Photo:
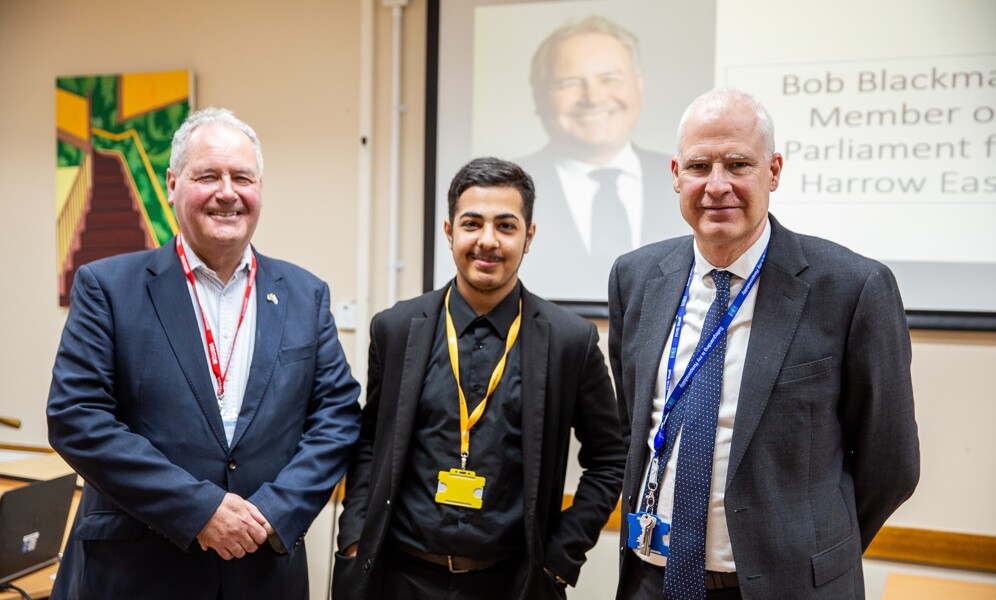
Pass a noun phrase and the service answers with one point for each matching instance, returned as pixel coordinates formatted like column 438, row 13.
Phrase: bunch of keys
column 646, row 533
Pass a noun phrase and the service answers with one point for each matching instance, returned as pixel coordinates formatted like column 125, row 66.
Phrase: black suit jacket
column 565, row 386
column 824, row 443
column 558, row 243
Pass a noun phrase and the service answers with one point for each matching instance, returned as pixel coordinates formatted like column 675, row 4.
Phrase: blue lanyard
column 656, row 472
column 696, row 363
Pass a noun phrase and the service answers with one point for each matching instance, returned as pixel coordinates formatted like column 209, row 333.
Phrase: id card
column 655, row 534
column 460, row 488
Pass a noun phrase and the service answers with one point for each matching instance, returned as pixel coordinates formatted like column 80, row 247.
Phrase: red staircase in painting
column 113, row 223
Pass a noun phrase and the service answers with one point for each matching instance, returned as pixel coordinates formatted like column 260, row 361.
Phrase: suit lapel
column 781, row 296
column 171, row 301
column 535, row 341
column 661, row 298
column 418, row 349
column 271, row 318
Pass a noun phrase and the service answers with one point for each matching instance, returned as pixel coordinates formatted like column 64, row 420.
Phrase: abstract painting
column 113, row 135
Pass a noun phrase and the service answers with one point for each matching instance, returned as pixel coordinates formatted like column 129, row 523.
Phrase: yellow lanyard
column 451, row 340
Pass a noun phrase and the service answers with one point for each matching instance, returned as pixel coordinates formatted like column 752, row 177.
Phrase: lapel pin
column 271, row 297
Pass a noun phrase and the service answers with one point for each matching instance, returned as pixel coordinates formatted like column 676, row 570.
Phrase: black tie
column 610, row 233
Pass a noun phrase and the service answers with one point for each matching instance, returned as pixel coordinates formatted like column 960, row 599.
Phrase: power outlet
column 345, row 316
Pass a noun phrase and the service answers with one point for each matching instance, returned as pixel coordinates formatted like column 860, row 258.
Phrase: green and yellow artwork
column 113, row 135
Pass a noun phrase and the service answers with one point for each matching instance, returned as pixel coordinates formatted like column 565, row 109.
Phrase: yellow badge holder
column 458, row 487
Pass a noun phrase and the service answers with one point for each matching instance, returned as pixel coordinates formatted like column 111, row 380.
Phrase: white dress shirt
column 719, row 552
column 222, row 304
column 580, row 189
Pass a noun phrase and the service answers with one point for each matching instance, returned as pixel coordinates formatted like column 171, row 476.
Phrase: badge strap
column 655, row 474
column 467, row 422
column 212, row 348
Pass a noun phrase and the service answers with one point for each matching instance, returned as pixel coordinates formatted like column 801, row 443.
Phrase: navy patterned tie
column 610, row 232
column 684, row 577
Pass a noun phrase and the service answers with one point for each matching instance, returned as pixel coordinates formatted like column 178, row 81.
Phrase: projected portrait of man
column 598, row 195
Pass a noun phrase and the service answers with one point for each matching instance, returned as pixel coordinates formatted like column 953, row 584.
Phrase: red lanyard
column 208, row 336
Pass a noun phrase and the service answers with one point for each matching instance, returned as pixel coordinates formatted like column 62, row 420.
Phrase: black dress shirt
column 495, row 530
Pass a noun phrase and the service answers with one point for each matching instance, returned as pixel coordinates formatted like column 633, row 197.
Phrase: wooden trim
column 615, row 519
column 906, row 544
column 25, row 448
column 939, row 548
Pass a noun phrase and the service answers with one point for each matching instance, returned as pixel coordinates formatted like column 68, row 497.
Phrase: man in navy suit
column 598, row 194
column 201, row 392
column 777, row 464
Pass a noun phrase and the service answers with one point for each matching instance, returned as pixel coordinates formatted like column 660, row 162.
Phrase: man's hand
column 271, row 534
column 258, row 516
column 234, row 529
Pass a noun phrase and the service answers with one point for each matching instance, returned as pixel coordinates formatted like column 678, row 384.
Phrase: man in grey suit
column 798, row 425
column 598, row 194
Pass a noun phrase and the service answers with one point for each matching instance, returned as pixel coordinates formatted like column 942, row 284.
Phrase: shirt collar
column 743, row 265
column 500, row 318
column 626, row 161
column 196, row 264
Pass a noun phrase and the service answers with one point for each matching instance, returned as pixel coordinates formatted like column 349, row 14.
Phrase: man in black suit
column 472, row 393
column 795, row 439
column 598, row 194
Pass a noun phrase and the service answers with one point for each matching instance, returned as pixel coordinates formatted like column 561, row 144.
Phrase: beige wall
column 292, row 70
column 289, row 69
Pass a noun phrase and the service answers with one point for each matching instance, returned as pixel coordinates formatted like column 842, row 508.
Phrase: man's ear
column 448, row 231
column 776, row 170
column 170, row 185
column 529, row 237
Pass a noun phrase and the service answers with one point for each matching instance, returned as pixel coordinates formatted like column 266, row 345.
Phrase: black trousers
column 644, row 581
column 408, row 577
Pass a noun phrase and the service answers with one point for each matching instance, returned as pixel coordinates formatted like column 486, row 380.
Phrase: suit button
column 367, row 564
column 232, row 464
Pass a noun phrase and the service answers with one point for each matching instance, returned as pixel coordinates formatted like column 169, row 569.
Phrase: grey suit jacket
column 824, row 443
column 565, row 388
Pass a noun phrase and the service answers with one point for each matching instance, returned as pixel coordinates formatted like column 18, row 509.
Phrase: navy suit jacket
column 132, row 409
column 565, row 388
column 824, row 442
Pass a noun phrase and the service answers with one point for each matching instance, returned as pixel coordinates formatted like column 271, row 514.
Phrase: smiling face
column 724, row 178
column 592, row 101
column 217, row 195
column 488, row 238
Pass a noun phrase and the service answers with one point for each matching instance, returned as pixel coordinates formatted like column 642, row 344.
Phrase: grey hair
column 539, row 74
column 210, row 116
column 720, row 98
